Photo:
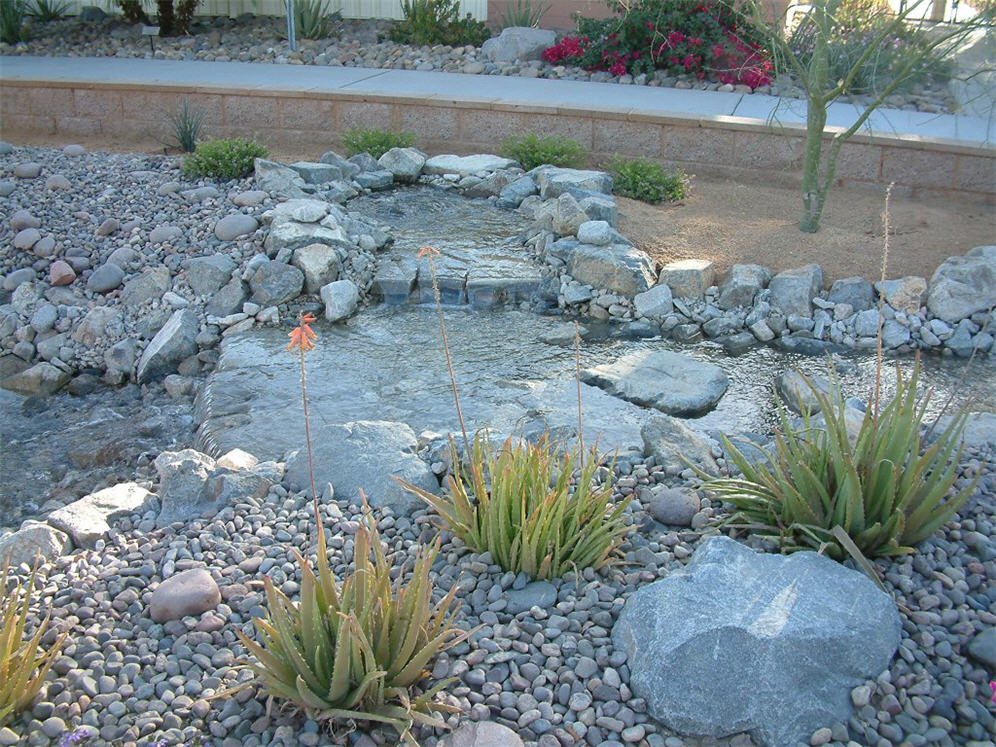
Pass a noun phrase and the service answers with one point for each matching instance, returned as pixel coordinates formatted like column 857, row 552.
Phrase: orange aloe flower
column 428, row 251
column 302, row 336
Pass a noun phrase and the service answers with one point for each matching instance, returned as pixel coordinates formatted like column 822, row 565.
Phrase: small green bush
column 24, row 662
column 428, row 22
column 223, row 159
column 532, row 150
column 374, row 141
column 646, row 180
column 356, row 650
column 876, row 492
column 12, row 14
column 518, row 505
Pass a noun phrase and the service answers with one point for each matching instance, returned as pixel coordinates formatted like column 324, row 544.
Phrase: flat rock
column 963, row 285
column 190, row 592
column 34, row 537
column 366, row 455
column 673, row 383
column 466, row 165
column 175, row 341
column 671, row 443
column 151, row 284
column 804, row 625
column 317, row 173
column 89, row 519
column 553, row 181
column 278, row 180
column 540, row 594
column 207, row 275
column 655, row 303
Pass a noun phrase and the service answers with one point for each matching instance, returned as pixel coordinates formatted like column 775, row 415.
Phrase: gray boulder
column 278, row 180
column 554, row 181
column 466, row 165
column 299, row 211
column 518, row 43
column 857, row 292
column 206, row 275
column 395, row 278
column 671, row 442
column 286, row 234
column 804, row 626
column 275, row 283
column 88, row 519
column 174, row 342
column 151, row 284
column 670, row 382
column 512, row 195
column 228, row 300
column 190, row 592
column 619, row 268
column 34, row 538
column 404, row 163
column 905, row 294
column 366, row 455
column 41, row 379
column 741, row 285
column 348, row 169
column 320, row 264
column 688, row 278
column 183, row 484
column 341, row 299
column 792, row 291
column 655, row 303
column 963, row 285
column 568, row 217
column 317, row 173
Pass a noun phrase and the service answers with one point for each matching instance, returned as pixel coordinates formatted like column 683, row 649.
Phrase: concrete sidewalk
column 565, row 96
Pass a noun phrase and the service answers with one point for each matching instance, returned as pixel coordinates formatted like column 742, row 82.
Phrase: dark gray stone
column 741, row 285
column 618, row 268
column 105, row 278
column 982, row 648
column 206, row 275
column 805, row 626
column 670, row 382
column 857, row 292
column 228, row 300
column 540, row 594
column 792, row 291
column 275, row 283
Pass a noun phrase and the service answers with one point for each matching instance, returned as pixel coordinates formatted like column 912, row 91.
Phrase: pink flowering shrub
column 705, row 38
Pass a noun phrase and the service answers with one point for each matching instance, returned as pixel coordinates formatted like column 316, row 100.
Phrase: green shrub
column 23, row 662
column 646, row 180
column 375, row 142
column 877, row 485
column 185, row 125
column 314, row 20
column 359, row 649
column 532, row 150
column 429, row 22
column 223, row 159
column 518, row 505
column 522, row 13
column 12, row 14
column 48, row 10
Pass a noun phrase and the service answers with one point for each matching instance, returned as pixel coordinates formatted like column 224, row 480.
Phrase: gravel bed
column 364, row 43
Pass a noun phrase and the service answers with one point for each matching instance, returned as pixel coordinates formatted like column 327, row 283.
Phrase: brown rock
column 187, row 593
column 60, row 273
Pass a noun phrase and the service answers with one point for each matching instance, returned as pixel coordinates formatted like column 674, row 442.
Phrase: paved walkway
column 492, row 89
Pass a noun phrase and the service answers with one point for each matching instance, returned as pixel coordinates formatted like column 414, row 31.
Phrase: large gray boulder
column 404, row 163
column 183, row 479
column 670, row 382
column 903, row 294
column 89, row 519
column 688, row 278
column 619, row 268
column 963, row 285
column 674, row 445
column 857, row 292
column 41, row 379
column 174, row 342
column 466, row 165
column 518, row 43
column 792, row 291
column 554, row 181
column 289, row 234
column 340, row 298
column 743, row 641
column 275, row 283
column 366, row 455
column 207, row 275
column 320, row 264
column 741, row 284
column 278, row 180
column 33, row 539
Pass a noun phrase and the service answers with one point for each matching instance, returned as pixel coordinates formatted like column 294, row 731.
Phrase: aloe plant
column 518, row 505
column 878, row 492
column 24, row 662
column 357, row 650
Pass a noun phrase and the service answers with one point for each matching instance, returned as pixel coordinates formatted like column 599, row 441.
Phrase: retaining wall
column 309, row 122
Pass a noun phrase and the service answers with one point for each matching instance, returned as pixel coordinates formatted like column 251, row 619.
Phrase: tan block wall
column 305, row 123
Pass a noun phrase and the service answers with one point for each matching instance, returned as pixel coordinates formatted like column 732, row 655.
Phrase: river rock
column 27, row 170
column 982, row 648
column 341, row 299
column 320, row 264
column 163, row 233
column 366, row 455
column 228, row 300
column 41, row 379
column 88, row 519
column 232, row 226
column 34, row 537
column 404, row 163
column 175, row 341
column 671, row 442
column 60, row 273
column 190, row 592
column 105, row 278
column 275, row 283
column 481, row 734
column 206, row 275
column 466, row 165
column 792, row 291
column 517, row 43
column 540, row 594
column 670, row 382
column 963, row 285
column 741, row 284
column 805, row 626
column 26, row 238
column 22, row 219
column 673, row 506
column 857, row 292
column 688, row 278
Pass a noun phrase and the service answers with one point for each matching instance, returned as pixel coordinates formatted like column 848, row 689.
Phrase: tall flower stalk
column 302, row 340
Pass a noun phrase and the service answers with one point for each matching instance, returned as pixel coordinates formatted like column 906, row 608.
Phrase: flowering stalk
column 577, row 365
column 429, row 253
column 302, row 339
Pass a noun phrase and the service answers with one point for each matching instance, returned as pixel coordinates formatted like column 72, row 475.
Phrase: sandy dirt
column 730, row 222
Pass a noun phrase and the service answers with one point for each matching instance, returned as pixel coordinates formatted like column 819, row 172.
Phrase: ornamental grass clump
column 517, row 503
column 876, row 493
column 24, row 662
